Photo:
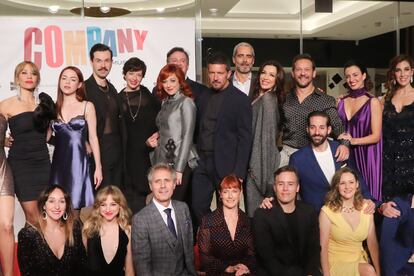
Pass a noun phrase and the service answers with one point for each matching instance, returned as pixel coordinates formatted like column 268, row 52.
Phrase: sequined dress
column 398, row 151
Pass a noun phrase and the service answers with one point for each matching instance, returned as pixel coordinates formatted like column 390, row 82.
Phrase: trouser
column 111, row 159
column 181, row 191
column 205, row 181
column 285, row 154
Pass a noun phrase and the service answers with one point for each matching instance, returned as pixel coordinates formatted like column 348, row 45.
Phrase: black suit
column 232, row 146
column 111, row 145
column 274, row 246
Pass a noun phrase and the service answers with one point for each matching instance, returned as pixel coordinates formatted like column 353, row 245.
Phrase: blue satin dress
column 70, row 165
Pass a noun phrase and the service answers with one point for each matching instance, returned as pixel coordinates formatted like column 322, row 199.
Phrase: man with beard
column 225, row 138
column 108, row 116
column 302, row 100
column 316, row 163
column 243, row 59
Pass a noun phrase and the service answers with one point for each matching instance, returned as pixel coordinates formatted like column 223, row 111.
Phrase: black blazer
column 233, row 134
column 273, row 242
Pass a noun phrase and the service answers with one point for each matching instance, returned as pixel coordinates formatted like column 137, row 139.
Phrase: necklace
column 133, row 116
column 347, row 209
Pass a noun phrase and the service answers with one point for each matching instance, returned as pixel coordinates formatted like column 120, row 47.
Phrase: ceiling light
column 160, row 9
column 53, row 9
column 105, row 9
column 213, row 10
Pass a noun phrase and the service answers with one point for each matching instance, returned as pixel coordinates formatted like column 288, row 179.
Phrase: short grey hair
column 161, row 166
column 242, row 44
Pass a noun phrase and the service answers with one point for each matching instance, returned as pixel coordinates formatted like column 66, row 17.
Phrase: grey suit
column 176, row 120
column 155, row 250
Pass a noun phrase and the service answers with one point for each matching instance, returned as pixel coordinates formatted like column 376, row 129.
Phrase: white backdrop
column 54, row 43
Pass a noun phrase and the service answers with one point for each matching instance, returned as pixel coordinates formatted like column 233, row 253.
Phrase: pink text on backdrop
column 54, row 47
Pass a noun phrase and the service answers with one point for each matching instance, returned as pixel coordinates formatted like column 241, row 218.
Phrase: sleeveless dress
column 6, row 176
column 97, row 264
column 368, row 158
column 70, row 165
column 398, row 152
column 345, row 250
column 28, row 157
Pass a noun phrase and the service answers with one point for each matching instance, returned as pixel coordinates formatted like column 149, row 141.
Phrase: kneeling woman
column 107, row 235
column 344, row 226
column 53, row 246
column 225, row 237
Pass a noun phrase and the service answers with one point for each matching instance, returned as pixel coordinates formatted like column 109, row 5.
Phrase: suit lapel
column 160, row 224
column 314, row 165
column 334, row 146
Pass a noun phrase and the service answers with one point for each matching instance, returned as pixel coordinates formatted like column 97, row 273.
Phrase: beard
column 317, row 142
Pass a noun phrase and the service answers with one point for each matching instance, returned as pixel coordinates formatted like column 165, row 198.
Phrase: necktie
column 170, row 222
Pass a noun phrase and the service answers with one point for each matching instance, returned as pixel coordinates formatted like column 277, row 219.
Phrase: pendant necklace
column 133, row 116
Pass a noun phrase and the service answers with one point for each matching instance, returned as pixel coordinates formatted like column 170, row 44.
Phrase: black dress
column 97, row 264
column 28, row 157
column 36, row 258
column 398, row 151
column 139, row 109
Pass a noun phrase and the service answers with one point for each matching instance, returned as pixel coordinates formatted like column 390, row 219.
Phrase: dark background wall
column 375, row 52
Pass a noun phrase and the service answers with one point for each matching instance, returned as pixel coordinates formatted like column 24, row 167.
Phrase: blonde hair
column 94, row 222
column 20, row 67
column 67, row 223
column 333, row 199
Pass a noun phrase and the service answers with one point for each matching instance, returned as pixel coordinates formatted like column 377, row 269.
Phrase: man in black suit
column 287, row 236
column 109, row 123
column 225, row 138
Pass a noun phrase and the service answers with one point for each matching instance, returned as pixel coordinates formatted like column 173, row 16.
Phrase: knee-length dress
column 28, row 157
column 70, row 164
column 345, row 250
column 368, row 158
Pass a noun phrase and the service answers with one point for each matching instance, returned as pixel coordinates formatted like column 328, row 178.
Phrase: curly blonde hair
column 94, row 222
column 333, row 199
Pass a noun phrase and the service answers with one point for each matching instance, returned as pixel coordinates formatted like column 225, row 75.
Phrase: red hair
column 80, row 92
column 166, row 71
column 229, row 182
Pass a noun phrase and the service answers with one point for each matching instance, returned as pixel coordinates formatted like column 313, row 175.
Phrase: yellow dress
column 345, row 251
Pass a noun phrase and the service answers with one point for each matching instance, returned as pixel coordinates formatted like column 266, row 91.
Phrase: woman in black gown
column 398, row 130
column 53, row 245
column 28, row 116
column 139, row 109
column 107, row 235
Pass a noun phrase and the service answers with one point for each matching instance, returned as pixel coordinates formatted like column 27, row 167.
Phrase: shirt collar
column 248, row 78
column 161, row 207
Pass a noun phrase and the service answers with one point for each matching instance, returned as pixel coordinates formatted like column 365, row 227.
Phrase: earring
column 394, row 82
column 44, row 215
column 65, row 216
column 18, row 90
column 411, row 80
column 36, row 95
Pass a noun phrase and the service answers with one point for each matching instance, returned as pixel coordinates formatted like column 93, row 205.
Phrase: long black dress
column 398, row 151
column 36, row 258
column 97, row 264
column 139, row 109
column 28, row 157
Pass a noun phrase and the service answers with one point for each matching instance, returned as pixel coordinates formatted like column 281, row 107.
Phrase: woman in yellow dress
column 344, row 226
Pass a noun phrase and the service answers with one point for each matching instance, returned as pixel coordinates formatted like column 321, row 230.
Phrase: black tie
column 170, row 222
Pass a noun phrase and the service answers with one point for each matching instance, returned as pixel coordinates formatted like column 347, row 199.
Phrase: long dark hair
column 367, row 82
column 80, row 92
column 279, row 88
column 391, row 84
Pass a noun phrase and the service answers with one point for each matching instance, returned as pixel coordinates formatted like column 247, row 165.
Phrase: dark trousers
column 181, row 191
column 111, row 159
column 205, row 182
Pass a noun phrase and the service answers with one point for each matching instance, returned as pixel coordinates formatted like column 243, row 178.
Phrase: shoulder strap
column 84, row 109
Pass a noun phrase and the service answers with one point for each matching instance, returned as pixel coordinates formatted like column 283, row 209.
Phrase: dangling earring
column 65, row 216
column 44, row 215
column 394, row 82
column 411, row 80
column 18, row 91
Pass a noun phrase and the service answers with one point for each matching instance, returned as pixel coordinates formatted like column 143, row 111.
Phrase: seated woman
column 344, row 226
column 397, row 239
column 53, row 246
column 224, row 237
column 107, row 235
